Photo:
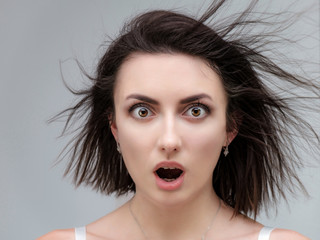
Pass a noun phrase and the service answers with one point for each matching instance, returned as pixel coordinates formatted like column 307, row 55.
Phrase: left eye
column 196, row 111
column 141, row 112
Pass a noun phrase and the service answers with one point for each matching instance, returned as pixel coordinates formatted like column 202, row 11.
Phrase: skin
column 155, row 121
column 170, row 132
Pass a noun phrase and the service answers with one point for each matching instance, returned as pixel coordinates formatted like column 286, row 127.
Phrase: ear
column 113, row 127
column 230, row 136
column 233, row 132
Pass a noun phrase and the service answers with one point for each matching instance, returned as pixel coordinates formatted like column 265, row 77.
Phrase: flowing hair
column 263, row 100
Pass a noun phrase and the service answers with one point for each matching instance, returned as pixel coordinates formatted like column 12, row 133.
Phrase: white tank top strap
column 80, row 233
column 265, row 233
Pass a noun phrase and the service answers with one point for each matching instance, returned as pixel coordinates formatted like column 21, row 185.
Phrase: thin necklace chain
column 203, row 236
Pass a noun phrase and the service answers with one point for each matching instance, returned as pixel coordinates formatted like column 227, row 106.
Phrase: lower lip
column 169, row 186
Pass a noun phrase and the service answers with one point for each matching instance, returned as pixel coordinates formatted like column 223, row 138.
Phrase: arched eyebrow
column 195, row 98
column 143, row 98
column 182, row 101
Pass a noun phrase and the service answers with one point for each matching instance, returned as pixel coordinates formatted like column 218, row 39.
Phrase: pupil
column 196, row 112
column 143, row 112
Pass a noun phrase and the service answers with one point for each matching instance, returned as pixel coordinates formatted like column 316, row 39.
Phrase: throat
column 173, row 223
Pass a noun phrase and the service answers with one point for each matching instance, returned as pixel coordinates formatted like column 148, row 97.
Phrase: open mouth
column 169, row 174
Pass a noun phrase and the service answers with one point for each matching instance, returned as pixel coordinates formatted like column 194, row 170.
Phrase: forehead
column 168, row 74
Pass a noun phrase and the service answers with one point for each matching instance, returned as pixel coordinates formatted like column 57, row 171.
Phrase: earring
column 118, row 147
column 226, row 150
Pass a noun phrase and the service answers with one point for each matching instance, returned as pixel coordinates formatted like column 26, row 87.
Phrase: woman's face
column 170, row 122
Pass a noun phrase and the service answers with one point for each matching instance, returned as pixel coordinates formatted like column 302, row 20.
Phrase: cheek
column 205, row 145
column 134, row 137
column 136, row 144
column 210, row 137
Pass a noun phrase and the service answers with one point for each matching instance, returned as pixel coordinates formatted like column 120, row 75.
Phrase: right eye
column 140, row 112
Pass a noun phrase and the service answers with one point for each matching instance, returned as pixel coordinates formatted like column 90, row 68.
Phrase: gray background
column 35, row 35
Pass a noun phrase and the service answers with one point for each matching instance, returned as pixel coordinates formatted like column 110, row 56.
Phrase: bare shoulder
column 107, row 227
column 281, row 234
column 114, row 225
column 61, row 234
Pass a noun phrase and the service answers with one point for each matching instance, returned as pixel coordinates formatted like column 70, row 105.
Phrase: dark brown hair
column 262, row 160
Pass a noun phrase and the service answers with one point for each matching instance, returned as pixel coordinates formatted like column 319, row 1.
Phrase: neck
column 186, row 220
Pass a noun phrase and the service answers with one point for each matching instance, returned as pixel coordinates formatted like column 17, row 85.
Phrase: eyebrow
column 194, row 98
column 182, row 101
column 143, row 98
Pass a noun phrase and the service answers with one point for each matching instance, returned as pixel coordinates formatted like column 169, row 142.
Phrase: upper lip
column 169, row 164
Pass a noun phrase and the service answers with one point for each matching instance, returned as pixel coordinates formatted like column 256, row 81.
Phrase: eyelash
column 136, row 105
column 190, row 106
column 198, row 104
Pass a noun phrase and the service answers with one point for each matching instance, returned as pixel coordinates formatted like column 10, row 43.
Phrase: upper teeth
column 169, row 168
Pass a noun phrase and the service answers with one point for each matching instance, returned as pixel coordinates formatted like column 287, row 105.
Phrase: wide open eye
column 143, row 112
column 140, row 111
column 197, row 111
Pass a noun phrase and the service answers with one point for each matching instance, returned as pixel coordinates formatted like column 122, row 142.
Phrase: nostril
column 172, row 149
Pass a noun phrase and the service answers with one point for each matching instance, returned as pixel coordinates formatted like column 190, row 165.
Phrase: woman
column 183, row 115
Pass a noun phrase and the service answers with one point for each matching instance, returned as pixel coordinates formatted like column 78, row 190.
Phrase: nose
column 169, row 140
